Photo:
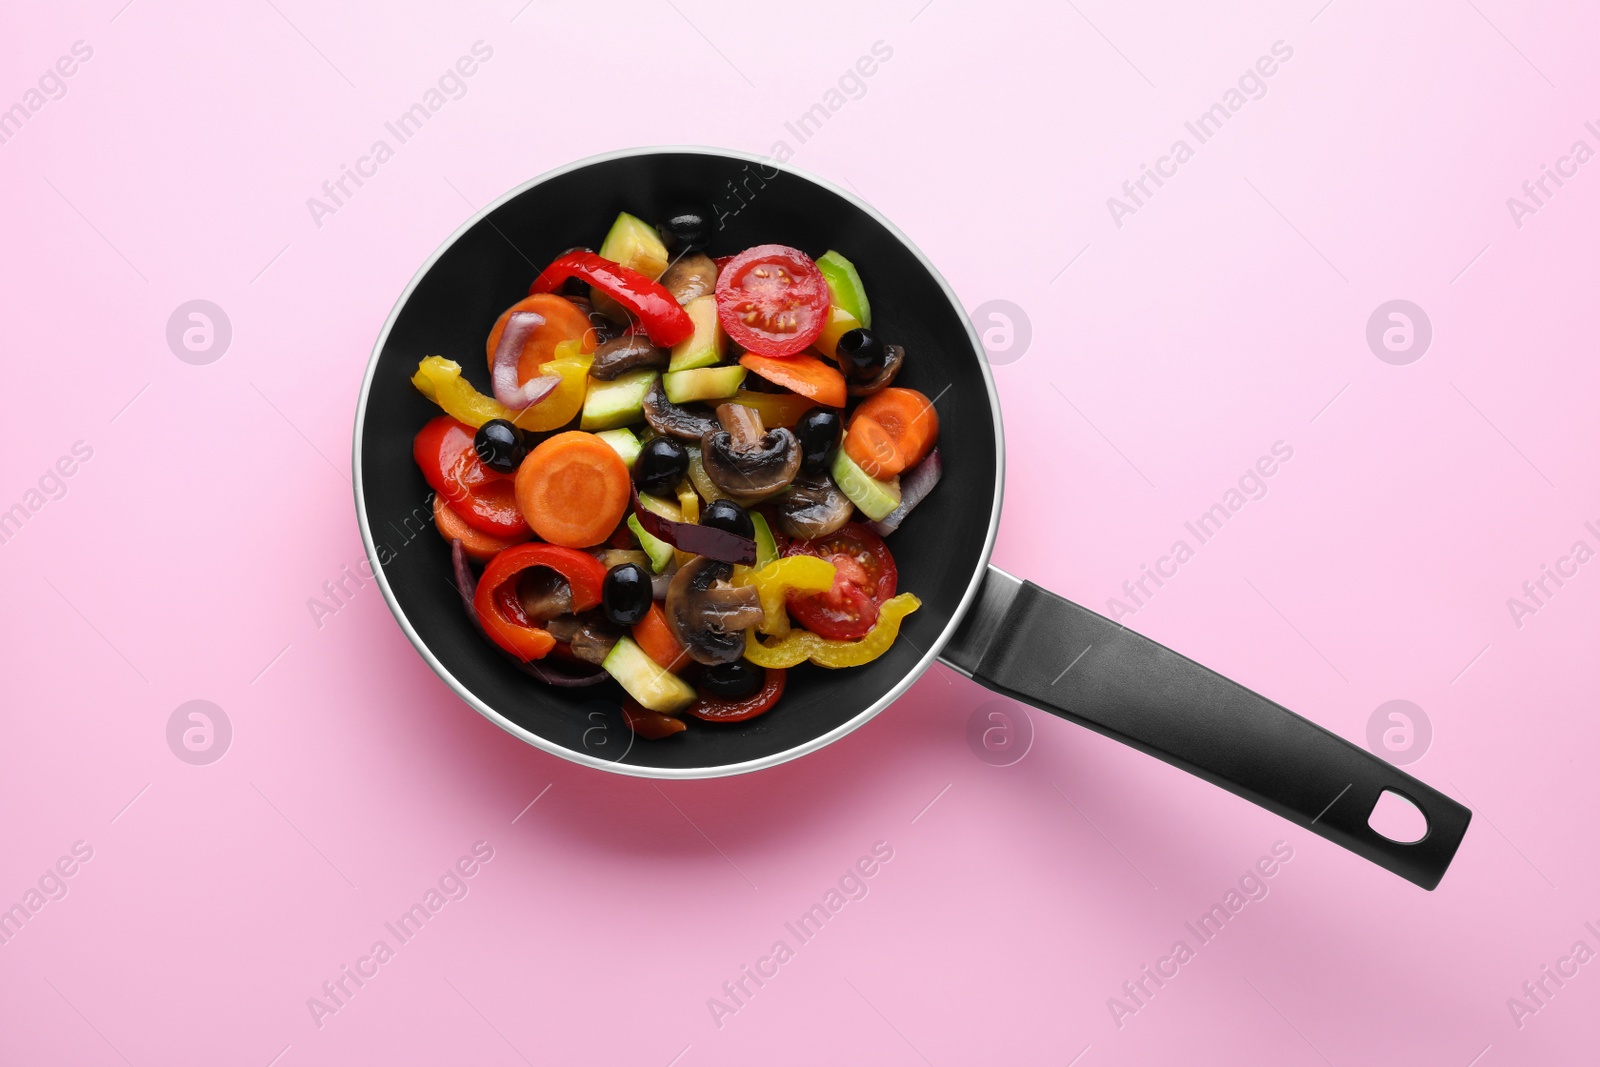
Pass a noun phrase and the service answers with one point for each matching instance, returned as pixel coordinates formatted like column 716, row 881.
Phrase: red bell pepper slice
column 485, row 499
column 664, row 321
column 499, row 610
column 651, row 725
column 713, row 710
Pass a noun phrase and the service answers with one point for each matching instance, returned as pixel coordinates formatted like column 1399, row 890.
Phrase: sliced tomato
column 865, row 577
column 713, row 710
column 772, row 300
column 485, row 499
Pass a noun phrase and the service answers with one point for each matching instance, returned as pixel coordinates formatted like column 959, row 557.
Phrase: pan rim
column 718, row 770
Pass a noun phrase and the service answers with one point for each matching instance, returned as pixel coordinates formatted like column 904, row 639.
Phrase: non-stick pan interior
column 490, row 265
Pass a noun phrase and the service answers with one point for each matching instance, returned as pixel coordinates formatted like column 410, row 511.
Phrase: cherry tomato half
column 713, row 710
column 772, row 300
column 485, row 499
column 866, row 578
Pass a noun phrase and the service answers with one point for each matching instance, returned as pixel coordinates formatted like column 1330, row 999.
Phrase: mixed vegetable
column 683, row 475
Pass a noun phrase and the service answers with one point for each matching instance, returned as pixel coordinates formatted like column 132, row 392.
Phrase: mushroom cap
column 707, row 615
column 813, row 507
column 894, row 359
column 689, row 422
column 743, row 461
column 690, row 276
column 629, row 352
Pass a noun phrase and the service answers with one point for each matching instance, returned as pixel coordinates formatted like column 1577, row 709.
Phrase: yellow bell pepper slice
column 840, row 322
column 776, row 409
column 688, row 501
column 563, row 405
column 802, row 574
column 440, row 380
column 802, row 645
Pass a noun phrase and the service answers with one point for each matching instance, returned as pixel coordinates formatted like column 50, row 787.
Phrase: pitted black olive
column 500, row 445
column 818, row 430
column 726, row 515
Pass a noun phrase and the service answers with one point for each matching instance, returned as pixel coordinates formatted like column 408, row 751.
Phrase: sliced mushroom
column 544, row 594
column 709, row 616
column 813, row 507
column 689, row 277
column 590, row 636
column 626, row 353
column 563, row 627
column 690, row 422
column 894, row 359
column 744, row 459
column 616, row 557
column 604, row 328
column 592, row 644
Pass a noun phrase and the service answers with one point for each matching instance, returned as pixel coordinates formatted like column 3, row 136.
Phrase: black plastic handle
column 1034, row 646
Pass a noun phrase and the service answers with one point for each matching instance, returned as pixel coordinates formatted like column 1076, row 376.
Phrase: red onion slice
column 519, row 327
column 467, row 586
column 660, row 583
column 915, row 485
column 561, row 679
column 691, row 537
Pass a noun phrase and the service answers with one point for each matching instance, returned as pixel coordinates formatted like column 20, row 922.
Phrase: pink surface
column 1227, row 312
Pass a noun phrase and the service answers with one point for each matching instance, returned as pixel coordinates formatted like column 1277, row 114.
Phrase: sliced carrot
column 891, row 431
column 478, row 545
column 873, row 449
column 658, row 641
column 573, row 489
column 562, row 322
column 806, row 375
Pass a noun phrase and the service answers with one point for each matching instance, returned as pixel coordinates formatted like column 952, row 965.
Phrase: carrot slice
column 874, row 450
column 573, row 489
column 562, row 322
column 658, row 641
column 478, row 545
column 891, row 431
column 806, row 375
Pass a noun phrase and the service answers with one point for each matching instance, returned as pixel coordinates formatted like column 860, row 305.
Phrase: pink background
column 1228, row 313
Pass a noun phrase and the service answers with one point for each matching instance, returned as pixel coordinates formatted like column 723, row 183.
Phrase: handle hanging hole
column 1398, row 818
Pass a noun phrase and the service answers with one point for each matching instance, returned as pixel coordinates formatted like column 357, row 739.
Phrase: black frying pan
column 1009, row 635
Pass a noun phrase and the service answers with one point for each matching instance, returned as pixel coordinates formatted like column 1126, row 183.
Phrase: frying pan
column 1007, row 634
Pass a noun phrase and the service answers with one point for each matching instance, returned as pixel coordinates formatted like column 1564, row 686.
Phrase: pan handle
column 1036, row 647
